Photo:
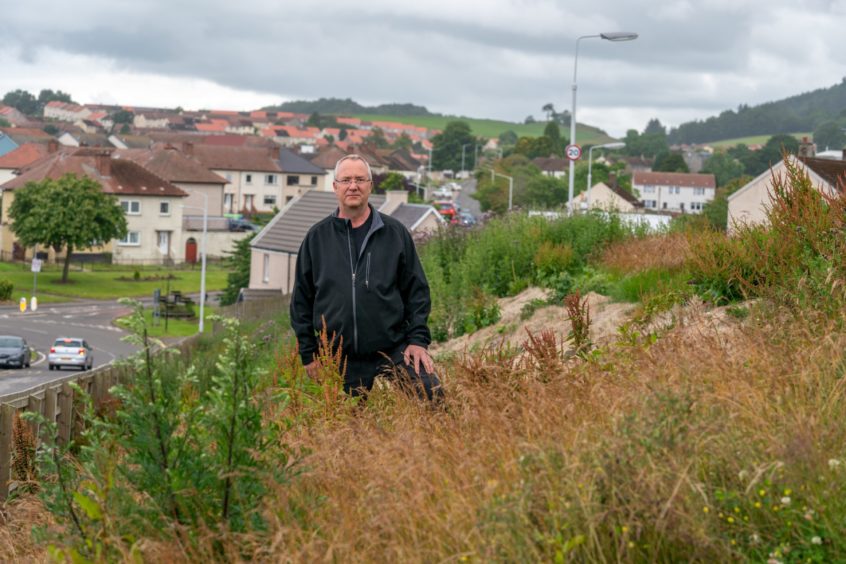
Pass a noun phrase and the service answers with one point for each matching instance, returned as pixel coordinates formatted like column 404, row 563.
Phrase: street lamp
column 510, row 186
column 610, row 36
column 615, row 145
column 462, row 155
column 205, row 209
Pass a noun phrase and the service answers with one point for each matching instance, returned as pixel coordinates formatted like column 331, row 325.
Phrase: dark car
column 242, row 225
column 467, row 219
column 14, row 351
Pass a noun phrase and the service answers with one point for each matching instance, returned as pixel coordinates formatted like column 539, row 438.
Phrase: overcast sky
column 500, row 59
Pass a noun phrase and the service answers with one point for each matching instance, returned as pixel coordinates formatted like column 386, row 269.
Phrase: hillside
column 347, row 106
column 804, row 112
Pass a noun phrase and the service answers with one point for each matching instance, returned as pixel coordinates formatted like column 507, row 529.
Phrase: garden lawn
column 108, row 284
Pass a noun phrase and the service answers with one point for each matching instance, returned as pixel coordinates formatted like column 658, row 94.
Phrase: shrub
column 551, row 259
column 6, row 289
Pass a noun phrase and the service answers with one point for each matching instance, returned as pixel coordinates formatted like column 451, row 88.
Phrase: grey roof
column 286, row 231
column 410, row 214
column 291, row 162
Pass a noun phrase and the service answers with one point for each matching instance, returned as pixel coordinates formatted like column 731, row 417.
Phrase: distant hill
column 798, row 113
column 336, row 106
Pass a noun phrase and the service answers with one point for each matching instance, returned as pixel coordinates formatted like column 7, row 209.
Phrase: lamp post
column 510, row 186
column 615, row 145
column 610, row 36
column 205, row 209
column 462, row 155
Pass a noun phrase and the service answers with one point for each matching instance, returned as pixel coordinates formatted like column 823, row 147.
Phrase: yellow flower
column 631, row 544
column 788, row 491
column 730, row 520
column 733, row 542
column 758, row 504
column 625, row 529
column 737, row 510
column 705, row 509
column 762, row 492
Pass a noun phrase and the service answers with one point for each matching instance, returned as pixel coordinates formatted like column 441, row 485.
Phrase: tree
column 507, row 137
column 342, row 134
column 529, row 119
column 446, row 146
column 238, row 263
column 403, row 142
column 654, row 127
column 46, row 96
column 123, row 116
column 51, row 129
column 553, row 133
column 22, row 101
column 390, row 181
column 830, row 135
column 669, row 162
column 4, row 122
column 724, row 167
column 550, row 110
column 377, row 138
column 68, row 213
column 546, row 192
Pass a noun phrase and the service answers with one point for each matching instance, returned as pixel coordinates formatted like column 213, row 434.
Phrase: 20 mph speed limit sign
column 574, row 152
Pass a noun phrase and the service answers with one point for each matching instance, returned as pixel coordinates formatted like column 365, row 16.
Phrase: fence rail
column 54, row 400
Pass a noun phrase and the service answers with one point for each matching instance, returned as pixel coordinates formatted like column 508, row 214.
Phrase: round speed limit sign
column 574, row 152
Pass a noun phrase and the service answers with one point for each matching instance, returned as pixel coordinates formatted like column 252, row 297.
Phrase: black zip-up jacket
column 376, row 301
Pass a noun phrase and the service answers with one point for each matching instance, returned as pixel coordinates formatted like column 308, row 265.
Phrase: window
column 265, row 276
column 314, row 181
column 650, row 204
column 270, row 200
column 649, row 189
column 229, row 177
column 248, row 179
column 133, row 238
column 699, row 191
column 664, row 206
column 131, row 207
column 292, row 180
column 164, row 208
column 696, row 206
column 674, row 190
column 227, row 202
column 270, row 179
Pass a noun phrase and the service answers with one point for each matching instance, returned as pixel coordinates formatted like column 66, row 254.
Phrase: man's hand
column 414, row 355
column 312, row 369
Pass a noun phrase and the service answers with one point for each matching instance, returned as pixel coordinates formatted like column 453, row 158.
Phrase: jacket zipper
column 353, row 269
column 367, row 272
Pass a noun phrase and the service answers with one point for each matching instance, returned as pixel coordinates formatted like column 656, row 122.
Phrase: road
column 90, row 320
column 467, row 203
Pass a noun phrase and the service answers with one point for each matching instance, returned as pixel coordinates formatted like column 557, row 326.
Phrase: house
column 13, row 116
column 674, row 191
column 300, row 175
column 748, row 206
column 22, row 157
column 325, row 159
column 274, row 250
column 64, row 111
column 253, row 176
column 556, row 167
column 151, row 120
column 607, row 197
column 13, row 137
column 152, row 205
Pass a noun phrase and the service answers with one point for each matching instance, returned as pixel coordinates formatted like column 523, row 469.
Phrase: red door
column 191, row 251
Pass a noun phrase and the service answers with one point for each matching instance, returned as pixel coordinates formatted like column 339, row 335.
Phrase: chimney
column 806, row 148
column 273, row 151
column 393, row 200
column 188, row 148
column 104, row 163
column 52, row 146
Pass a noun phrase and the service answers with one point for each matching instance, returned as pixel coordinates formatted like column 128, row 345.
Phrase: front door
column 191, row 251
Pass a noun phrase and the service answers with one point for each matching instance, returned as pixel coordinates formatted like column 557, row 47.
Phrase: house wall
column 280, row 270
column 429, row 224
column 219, row 244
column 243, row 184
column 147, row 224
column 195, row 199
column 673, row 198
column 603, row 198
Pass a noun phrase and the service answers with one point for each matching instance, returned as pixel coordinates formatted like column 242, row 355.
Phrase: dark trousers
column 362, row 372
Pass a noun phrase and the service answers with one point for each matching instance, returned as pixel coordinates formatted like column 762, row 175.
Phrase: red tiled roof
column 24, row 155
column 237, row 158
column 689, row 180
column 121, row 176
column 171, row 164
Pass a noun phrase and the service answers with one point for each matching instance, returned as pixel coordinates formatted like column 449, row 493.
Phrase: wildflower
column 788, row 491
column 625, row 529
column 785, row 500
column 631, row 544
column 809, row 515
column 755, row 538
column 730, row 520
column 816, row 540
column 742, row 474
column 737, row 509
column 762, row 492
column 833, row 463
column 705, row 509
column 758, row 504
column 733, row 542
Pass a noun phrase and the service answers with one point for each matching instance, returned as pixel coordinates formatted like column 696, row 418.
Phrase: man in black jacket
column 359, row 271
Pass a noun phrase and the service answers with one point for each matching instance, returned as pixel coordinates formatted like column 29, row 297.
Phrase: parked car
column 447, row 209
column 14, row 351
column 443, row 193
column 70, row 351
column 242, row 225
column 466, row 218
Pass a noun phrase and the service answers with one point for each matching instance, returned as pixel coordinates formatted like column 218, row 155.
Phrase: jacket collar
column 374, row 225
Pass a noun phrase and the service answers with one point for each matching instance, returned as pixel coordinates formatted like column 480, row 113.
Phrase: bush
column 551, row 259
column 6, row 289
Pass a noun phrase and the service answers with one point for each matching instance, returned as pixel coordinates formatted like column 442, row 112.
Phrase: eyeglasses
column 360, row 180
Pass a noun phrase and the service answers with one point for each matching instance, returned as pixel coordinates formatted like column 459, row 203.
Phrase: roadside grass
column 490, row 128
column 111, row 283
column 174, row 327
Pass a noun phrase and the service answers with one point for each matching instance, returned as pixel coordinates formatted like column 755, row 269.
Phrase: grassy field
column 753, row 140
column 176, row 327
column 490, row 128
column 110, row 282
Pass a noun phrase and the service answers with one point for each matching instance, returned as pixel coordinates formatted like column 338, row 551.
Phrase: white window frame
column 166, row 206
column 248, row 178
column 699, row 191
column 129, row 205
column 227, row 201
column 269, row 196
column 270, row 179
column 695, row 206
column 128, row 240
column 292, row 179
column 265, row 275
column 651, row 204
column 649, row 189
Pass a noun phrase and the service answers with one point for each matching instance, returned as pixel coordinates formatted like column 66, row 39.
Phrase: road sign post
column 36, row 268
column 573, row 152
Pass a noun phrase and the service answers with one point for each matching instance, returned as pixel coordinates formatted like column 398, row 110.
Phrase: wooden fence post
column 65, row 413
column 7, row 418
column 35, row 405
column 51, row 400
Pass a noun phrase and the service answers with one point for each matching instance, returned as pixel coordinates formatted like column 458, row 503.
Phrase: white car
column 70, row 351
column 443, row 193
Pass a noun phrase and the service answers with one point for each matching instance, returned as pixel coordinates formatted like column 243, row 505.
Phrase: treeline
column 30, row 105
column 804, row 112
column 348, row 106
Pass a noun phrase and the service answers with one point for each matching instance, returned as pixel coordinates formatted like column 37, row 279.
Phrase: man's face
column 352, row 195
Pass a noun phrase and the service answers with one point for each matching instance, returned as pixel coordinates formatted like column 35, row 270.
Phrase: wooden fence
column 54, row 400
